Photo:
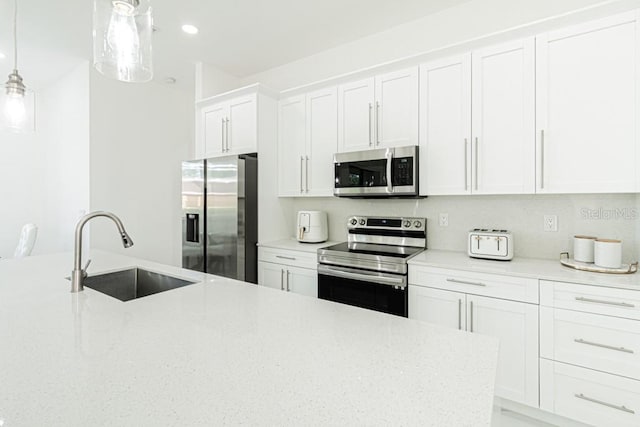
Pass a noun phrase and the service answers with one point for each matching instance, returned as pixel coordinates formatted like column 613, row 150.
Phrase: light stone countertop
column 524, row 267
column 224, row 352
column 293, row 245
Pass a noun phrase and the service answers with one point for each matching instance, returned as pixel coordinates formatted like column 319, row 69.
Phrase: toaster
column 312, row 227
column 490, row 244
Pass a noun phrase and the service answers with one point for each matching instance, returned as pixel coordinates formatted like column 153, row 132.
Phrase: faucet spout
column 78, row 274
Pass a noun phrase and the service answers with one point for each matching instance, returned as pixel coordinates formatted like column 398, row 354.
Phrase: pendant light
column 17, row 103
column 122, row 31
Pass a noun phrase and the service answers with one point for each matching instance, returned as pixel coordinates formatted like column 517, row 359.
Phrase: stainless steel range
column 370, row 269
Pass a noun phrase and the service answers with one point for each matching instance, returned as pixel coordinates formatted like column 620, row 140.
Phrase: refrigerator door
column 193, row 226
column 223, row 239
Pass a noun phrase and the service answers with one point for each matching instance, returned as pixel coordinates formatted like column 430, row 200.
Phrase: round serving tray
column 586, row 266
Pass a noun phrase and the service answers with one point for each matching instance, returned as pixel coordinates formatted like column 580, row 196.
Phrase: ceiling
column 241, row 37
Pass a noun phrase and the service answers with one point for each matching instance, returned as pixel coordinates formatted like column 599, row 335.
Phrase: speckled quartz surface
column 525, row 267
column 223, row 352
column 294, row 245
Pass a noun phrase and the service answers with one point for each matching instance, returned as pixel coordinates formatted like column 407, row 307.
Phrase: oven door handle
column 363, row 276
column 389, row 156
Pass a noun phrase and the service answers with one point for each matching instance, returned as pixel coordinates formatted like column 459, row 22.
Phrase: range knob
column 362, row 221
column 417, row 224
column 353, row 221
column 407, row 224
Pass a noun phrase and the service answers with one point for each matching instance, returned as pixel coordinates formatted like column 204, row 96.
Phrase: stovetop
column 401, row 252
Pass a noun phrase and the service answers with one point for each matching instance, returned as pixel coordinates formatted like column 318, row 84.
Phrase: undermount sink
column 133, row 283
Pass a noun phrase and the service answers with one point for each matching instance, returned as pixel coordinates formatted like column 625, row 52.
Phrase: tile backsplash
column 613, row 216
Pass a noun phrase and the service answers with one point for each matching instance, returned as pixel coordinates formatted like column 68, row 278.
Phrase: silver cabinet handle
column 460, row 314
column 222, row 128
column 288, row 273
column 306, row 173
column 301, row 178
column 466, row 163
column 600, row 402
column 282, row 279
column 610, row 347
column 464, row 282
column 542, row 159
column 476, row 159
column 286, row 257
column 377, row 123
column 226, row 140
column 598, row 301
column 471, row 316
column 370, row 138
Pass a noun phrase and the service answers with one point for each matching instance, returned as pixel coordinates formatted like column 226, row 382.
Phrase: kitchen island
column 223, row 352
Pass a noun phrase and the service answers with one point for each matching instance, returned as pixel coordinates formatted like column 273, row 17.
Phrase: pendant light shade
column 17, row 103
column 122, row 31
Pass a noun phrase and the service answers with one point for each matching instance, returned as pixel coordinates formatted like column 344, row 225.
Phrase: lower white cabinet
column 287, row 270
column 514, row 323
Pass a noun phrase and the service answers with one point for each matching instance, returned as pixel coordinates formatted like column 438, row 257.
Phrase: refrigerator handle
column 193, row 227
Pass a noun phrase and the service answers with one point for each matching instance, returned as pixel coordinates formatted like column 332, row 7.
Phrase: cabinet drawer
column 592, row 299
column 605, row 343
column 292, row 258
column 589, row 396
column 491, row 285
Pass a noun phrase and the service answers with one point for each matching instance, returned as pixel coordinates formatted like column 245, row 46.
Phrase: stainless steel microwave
column 387, row 172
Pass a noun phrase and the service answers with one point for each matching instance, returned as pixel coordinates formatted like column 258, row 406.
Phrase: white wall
column 44, row 176
column 139, row 135
column 210, row 81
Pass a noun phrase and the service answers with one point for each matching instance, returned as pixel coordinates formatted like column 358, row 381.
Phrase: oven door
column 382, row 172
column 383, row 292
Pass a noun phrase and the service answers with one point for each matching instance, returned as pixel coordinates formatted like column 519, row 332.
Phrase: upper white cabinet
column 587, row 107
column 479, row 141
column 379, row 112
column 307, row 142
column 228, row 124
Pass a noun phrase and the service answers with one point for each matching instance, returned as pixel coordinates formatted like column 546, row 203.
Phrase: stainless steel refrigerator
column 220, row 216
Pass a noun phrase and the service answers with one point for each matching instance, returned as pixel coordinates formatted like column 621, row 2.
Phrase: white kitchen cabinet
column 291, row 145
column 445, row 126
column 450, row 298
column 587, row 107
column 307, row 141
column 379, row 112
column 288, row 270
column 493, row 153
column 503, row 125
column 228, row 124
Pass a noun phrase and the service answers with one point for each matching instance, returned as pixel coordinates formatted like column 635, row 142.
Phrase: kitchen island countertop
column 223, row 352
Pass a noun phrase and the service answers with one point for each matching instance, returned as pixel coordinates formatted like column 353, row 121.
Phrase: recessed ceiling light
column 190, row 29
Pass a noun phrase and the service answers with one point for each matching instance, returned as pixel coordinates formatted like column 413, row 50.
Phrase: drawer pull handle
column 600, row 402
column 598, row 301
column 466, row 283
column 610, row 347
column 286, row 257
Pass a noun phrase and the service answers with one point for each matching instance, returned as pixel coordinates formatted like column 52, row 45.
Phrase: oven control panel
column 380, row 223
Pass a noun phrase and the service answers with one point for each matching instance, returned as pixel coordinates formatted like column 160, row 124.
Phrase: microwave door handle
column 389, row 157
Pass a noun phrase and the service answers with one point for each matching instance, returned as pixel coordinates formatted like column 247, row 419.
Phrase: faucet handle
column 86, row 266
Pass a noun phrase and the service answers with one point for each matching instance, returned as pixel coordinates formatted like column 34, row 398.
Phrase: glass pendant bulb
column 122, row 39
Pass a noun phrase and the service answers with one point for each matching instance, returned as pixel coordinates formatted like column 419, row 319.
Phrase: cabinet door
column 271, row 275
column 587, row 107
column 503, row 106
column 396, row 108
column 243, row 125
column 213, row 129
column 516, row 325
column 355, row 115
column 445, row 126
column 443, row 308
column 303, row 281
column 322, row 141
column 291, row 146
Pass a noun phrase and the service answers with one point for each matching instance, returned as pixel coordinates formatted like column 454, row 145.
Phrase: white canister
column 608, row 253
column 583, row 248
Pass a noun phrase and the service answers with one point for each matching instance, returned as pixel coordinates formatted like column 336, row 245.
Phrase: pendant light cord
column 15, row 35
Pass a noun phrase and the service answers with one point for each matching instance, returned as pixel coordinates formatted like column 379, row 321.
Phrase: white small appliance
column 312, row 227
column 490, row 244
